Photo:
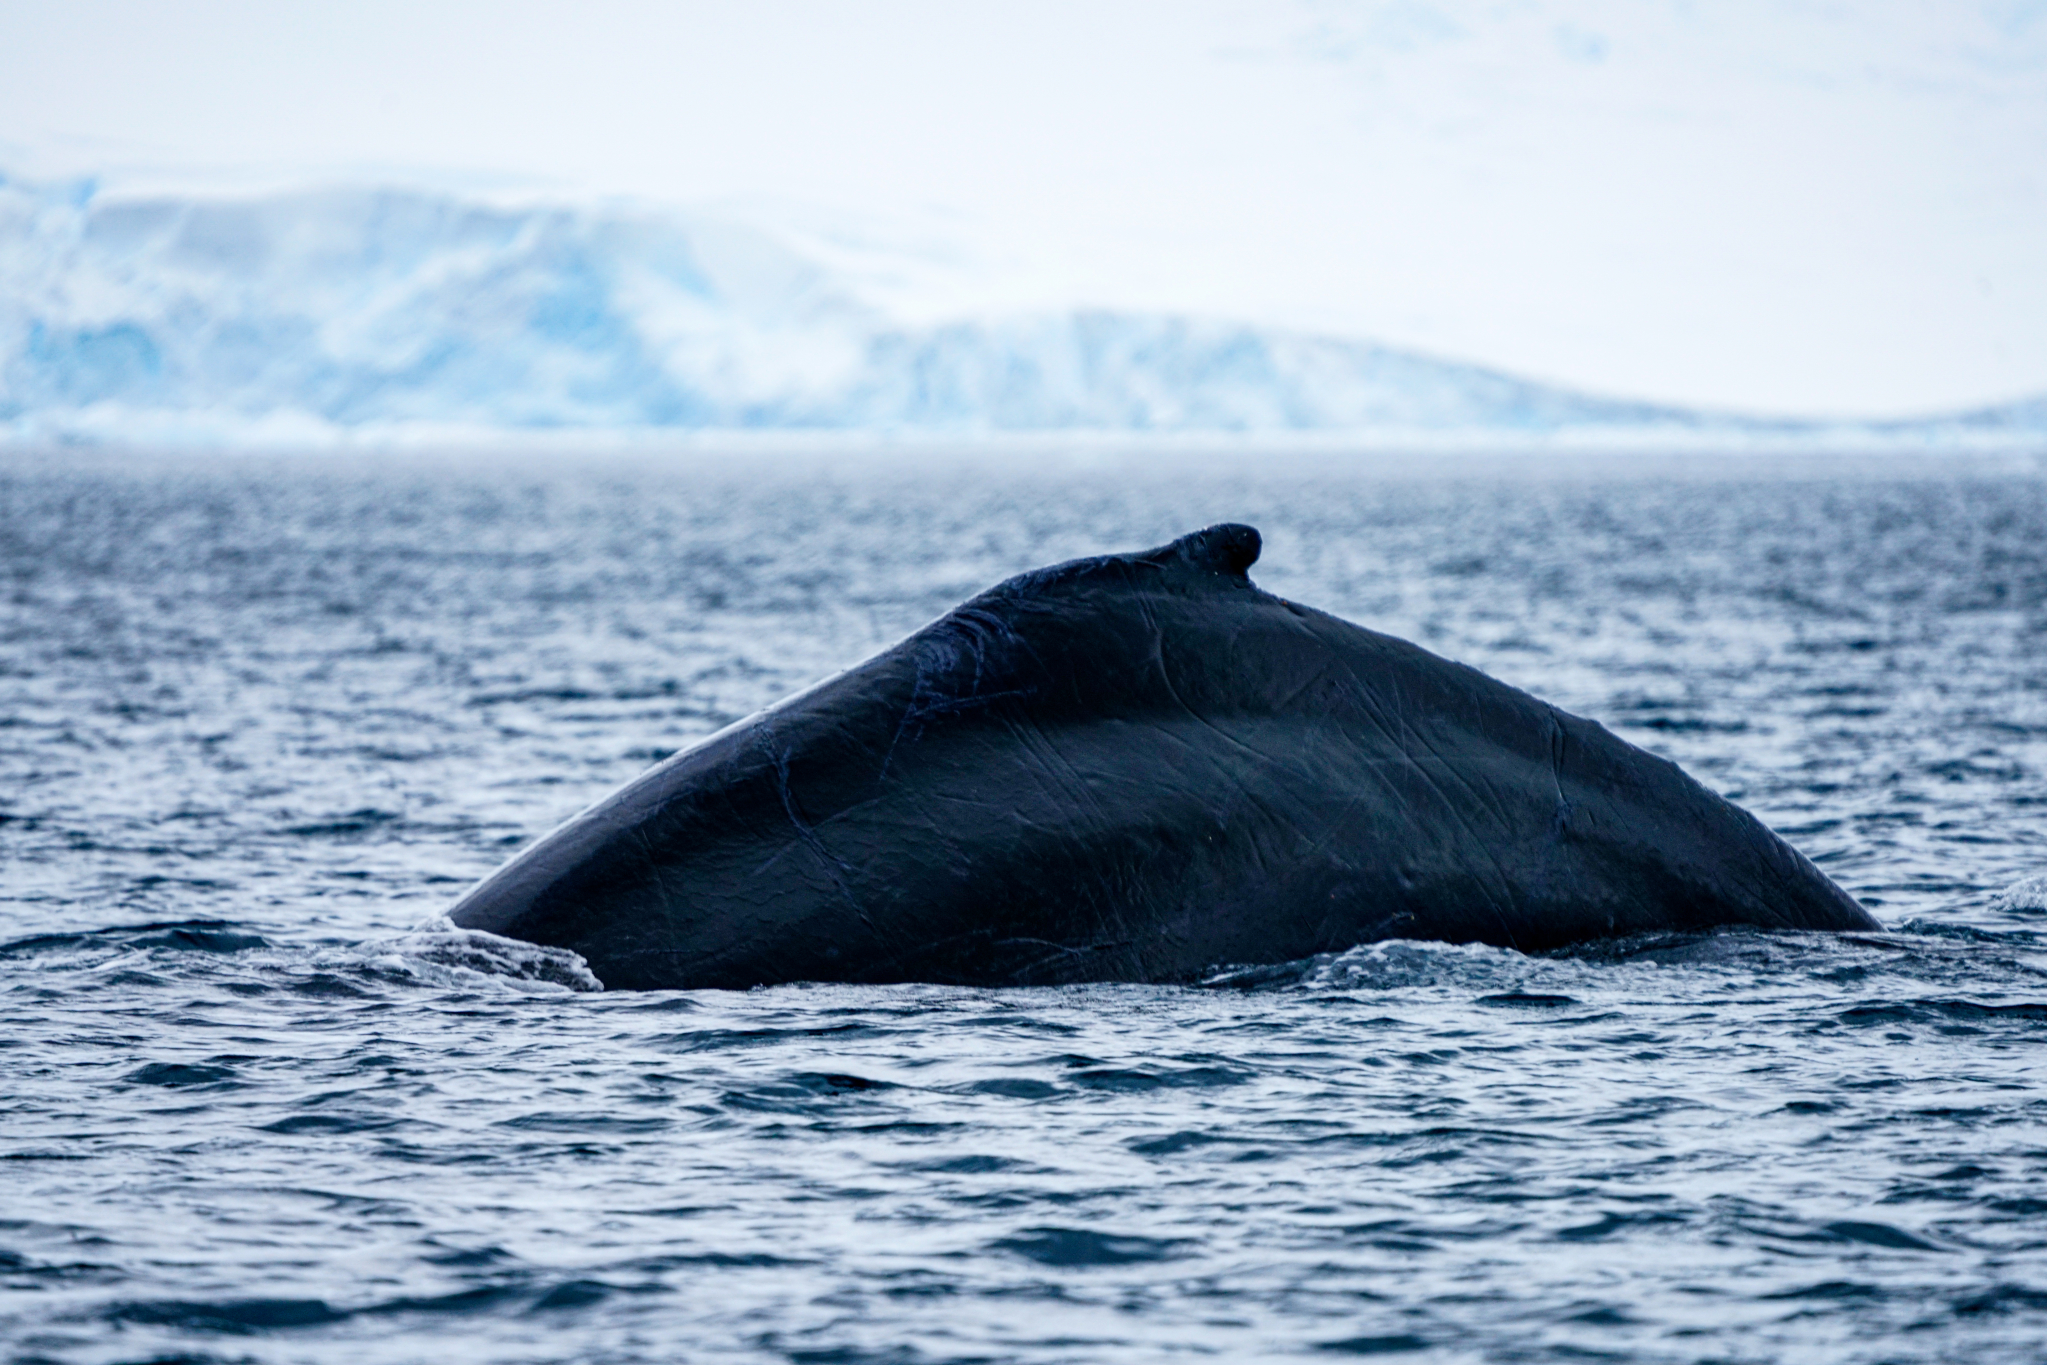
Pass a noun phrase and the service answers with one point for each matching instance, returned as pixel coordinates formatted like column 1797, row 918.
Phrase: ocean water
column 261, row 719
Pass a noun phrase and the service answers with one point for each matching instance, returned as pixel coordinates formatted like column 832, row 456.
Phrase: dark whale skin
column 1138, row 768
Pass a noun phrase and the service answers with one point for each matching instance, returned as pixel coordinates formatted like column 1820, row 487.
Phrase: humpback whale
column 1138, row 767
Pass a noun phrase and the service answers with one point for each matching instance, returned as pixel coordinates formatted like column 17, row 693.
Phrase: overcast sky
column 1798, row 206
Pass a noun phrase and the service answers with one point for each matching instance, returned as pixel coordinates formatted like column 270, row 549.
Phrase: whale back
column 1137, row 767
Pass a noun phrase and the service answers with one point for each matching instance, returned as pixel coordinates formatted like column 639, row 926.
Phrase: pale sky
column 1801, row 207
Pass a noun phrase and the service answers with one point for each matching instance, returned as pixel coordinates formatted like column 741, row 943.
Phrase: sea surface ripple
column 261, row 719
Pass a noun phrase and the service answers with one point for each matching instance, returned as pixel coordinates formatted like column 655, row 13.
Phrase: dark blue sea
column 263, row 718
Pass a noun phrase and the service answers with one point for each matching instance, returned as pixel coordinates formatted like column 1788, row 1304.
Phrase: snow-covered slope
column 313, row 315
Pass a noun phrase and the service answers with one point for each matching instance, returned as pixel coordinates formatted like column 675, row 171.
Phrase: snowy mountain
column 313, row 315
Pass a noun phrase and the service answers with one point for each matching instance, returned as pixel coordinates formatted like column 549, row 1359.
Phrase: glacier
column 314, row 316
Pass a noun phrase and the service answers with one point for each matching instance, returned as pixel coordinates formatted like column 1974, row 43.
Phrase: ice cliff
column 309, row 315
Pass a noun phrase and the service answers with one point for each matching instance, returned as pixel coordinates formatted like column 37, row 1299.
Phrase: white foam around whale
column 2026, row 894
column 439, row 944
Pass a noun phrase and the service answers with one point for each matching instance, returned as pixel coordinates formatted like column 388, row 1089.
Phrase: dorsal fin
column 1227, row 548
